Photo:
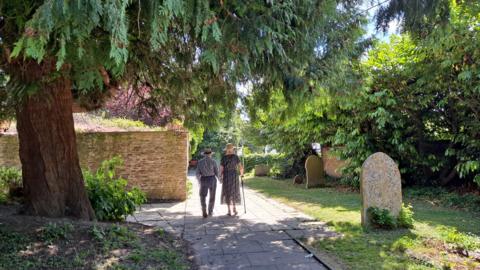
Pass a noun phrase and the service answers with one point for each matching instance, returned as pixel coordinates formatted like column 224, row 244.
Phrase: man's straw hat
column 207, row 151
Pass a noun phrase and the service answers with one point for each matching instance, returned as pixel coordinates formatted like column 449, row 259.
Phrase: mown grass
column 436, row 229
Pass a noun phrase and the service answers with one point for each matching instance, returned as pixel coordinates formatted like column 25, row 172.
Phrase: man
column 207, row 173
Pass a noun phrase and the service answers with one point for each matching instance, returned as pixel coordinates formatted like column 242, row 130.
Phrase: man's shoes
column 205, row 215
column 210, row 214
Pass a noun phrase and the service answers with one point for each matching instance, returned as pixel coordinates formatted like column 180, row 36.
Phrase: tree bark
column 52, row 178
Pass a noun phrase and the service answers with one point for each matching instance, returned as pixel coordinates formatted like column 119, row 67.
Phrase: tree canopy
column 416, row 99
column 191, row 53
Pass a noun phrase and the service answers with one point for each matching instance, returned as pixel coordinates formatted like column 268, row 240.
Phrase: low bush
column 10, row 181
column 110, row 197
column 381, row 218
column 405, row 217
column 10, row 176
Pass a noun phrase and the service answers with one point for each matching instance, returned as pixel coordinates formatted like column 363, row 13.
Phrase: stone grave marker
column 262, row 170
column 380, row 185
column 315, row 173
column 298, row 179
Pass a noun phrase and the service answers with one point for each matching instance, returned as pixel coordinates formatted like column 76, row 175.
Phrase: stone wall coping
column 113, row 132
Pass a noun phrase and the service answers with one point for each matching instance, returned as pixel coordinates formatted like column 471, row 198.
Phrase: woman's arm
column 240, row 166
column 241, row 169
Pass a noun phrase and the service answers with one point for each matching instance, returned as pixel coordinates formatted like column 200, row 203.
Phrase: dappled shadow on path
column 242, row 242
column 264, row 237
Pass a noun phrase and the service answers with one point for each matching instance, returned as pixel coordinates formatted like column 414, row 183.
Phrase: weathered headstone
column 298, row 179
column 380, row 185
column 315, row 172
column 262, row 170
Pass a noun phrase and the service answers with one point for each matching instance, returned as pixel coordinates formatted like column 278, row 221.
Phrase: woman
column 229, row 166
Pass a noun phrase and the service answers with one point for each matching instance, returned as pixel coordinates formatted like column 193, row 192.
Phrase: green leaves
column 188, row 51
column 61, row 54
column 110, row 198
column 18, row 47
column 211, row 58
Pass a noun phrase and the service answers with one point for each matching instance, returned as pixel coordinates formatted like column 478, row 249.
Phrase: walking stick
column 243, row 193
column 243, row 190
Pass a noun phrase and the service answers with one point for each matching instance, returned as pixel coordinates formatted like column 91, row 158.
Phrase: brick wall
column 331, row 164
column 155, row 161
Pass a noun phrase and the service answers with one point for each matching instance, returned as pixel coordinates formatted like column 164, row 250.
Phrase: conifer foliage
column 190, row 53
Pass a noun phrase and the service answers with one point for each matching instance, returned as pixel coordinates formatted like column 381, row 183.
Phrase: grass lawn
column 439, row 237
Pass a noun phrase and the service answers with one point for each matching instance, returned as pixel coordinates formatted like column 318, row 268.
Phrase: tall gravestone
column 380, row 185
column 315, row 172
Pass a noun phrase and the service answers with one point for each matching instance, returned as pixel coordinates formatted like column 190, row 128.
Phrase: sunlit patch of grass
column 93, row 122
column 381, row 249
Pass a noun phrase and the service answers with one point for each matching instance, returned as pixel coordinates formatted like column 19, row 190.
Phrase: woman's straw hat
column 229, row 147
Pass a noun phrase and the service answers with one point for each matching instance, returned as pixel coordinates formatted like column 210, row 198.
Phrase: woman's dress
column 230, row 186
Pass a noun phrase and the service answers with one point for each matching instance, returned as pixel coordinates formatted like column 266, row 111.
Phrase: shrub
column 405, row 218
column 10, row 176
column 10, row 182
column 381, row 218
column 351, row 181
column 109, row 195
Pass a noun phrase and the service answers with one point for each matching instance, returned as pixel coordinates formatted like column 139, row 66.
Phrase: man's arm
column 198, row 173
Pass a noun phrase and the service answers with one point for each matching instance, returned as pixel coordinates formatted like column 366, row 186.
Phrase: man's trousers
column 208, row 184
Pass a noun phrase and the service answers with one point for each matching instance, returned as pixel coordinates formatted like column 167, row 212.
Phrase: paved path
column 261, row 239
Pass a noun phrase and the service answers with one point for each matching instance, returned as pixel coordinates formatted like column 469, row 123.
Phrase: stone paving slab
column 260, row 239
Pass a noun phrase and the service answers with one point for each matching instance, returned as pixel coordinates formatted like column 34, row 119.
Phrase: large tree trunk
column 52, row 178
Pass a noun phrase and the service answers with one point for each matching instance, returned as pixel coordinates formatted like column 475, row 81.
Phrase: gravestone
column 262, row 170
column 380, row 185
column 315, row 172
column 298, row 179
